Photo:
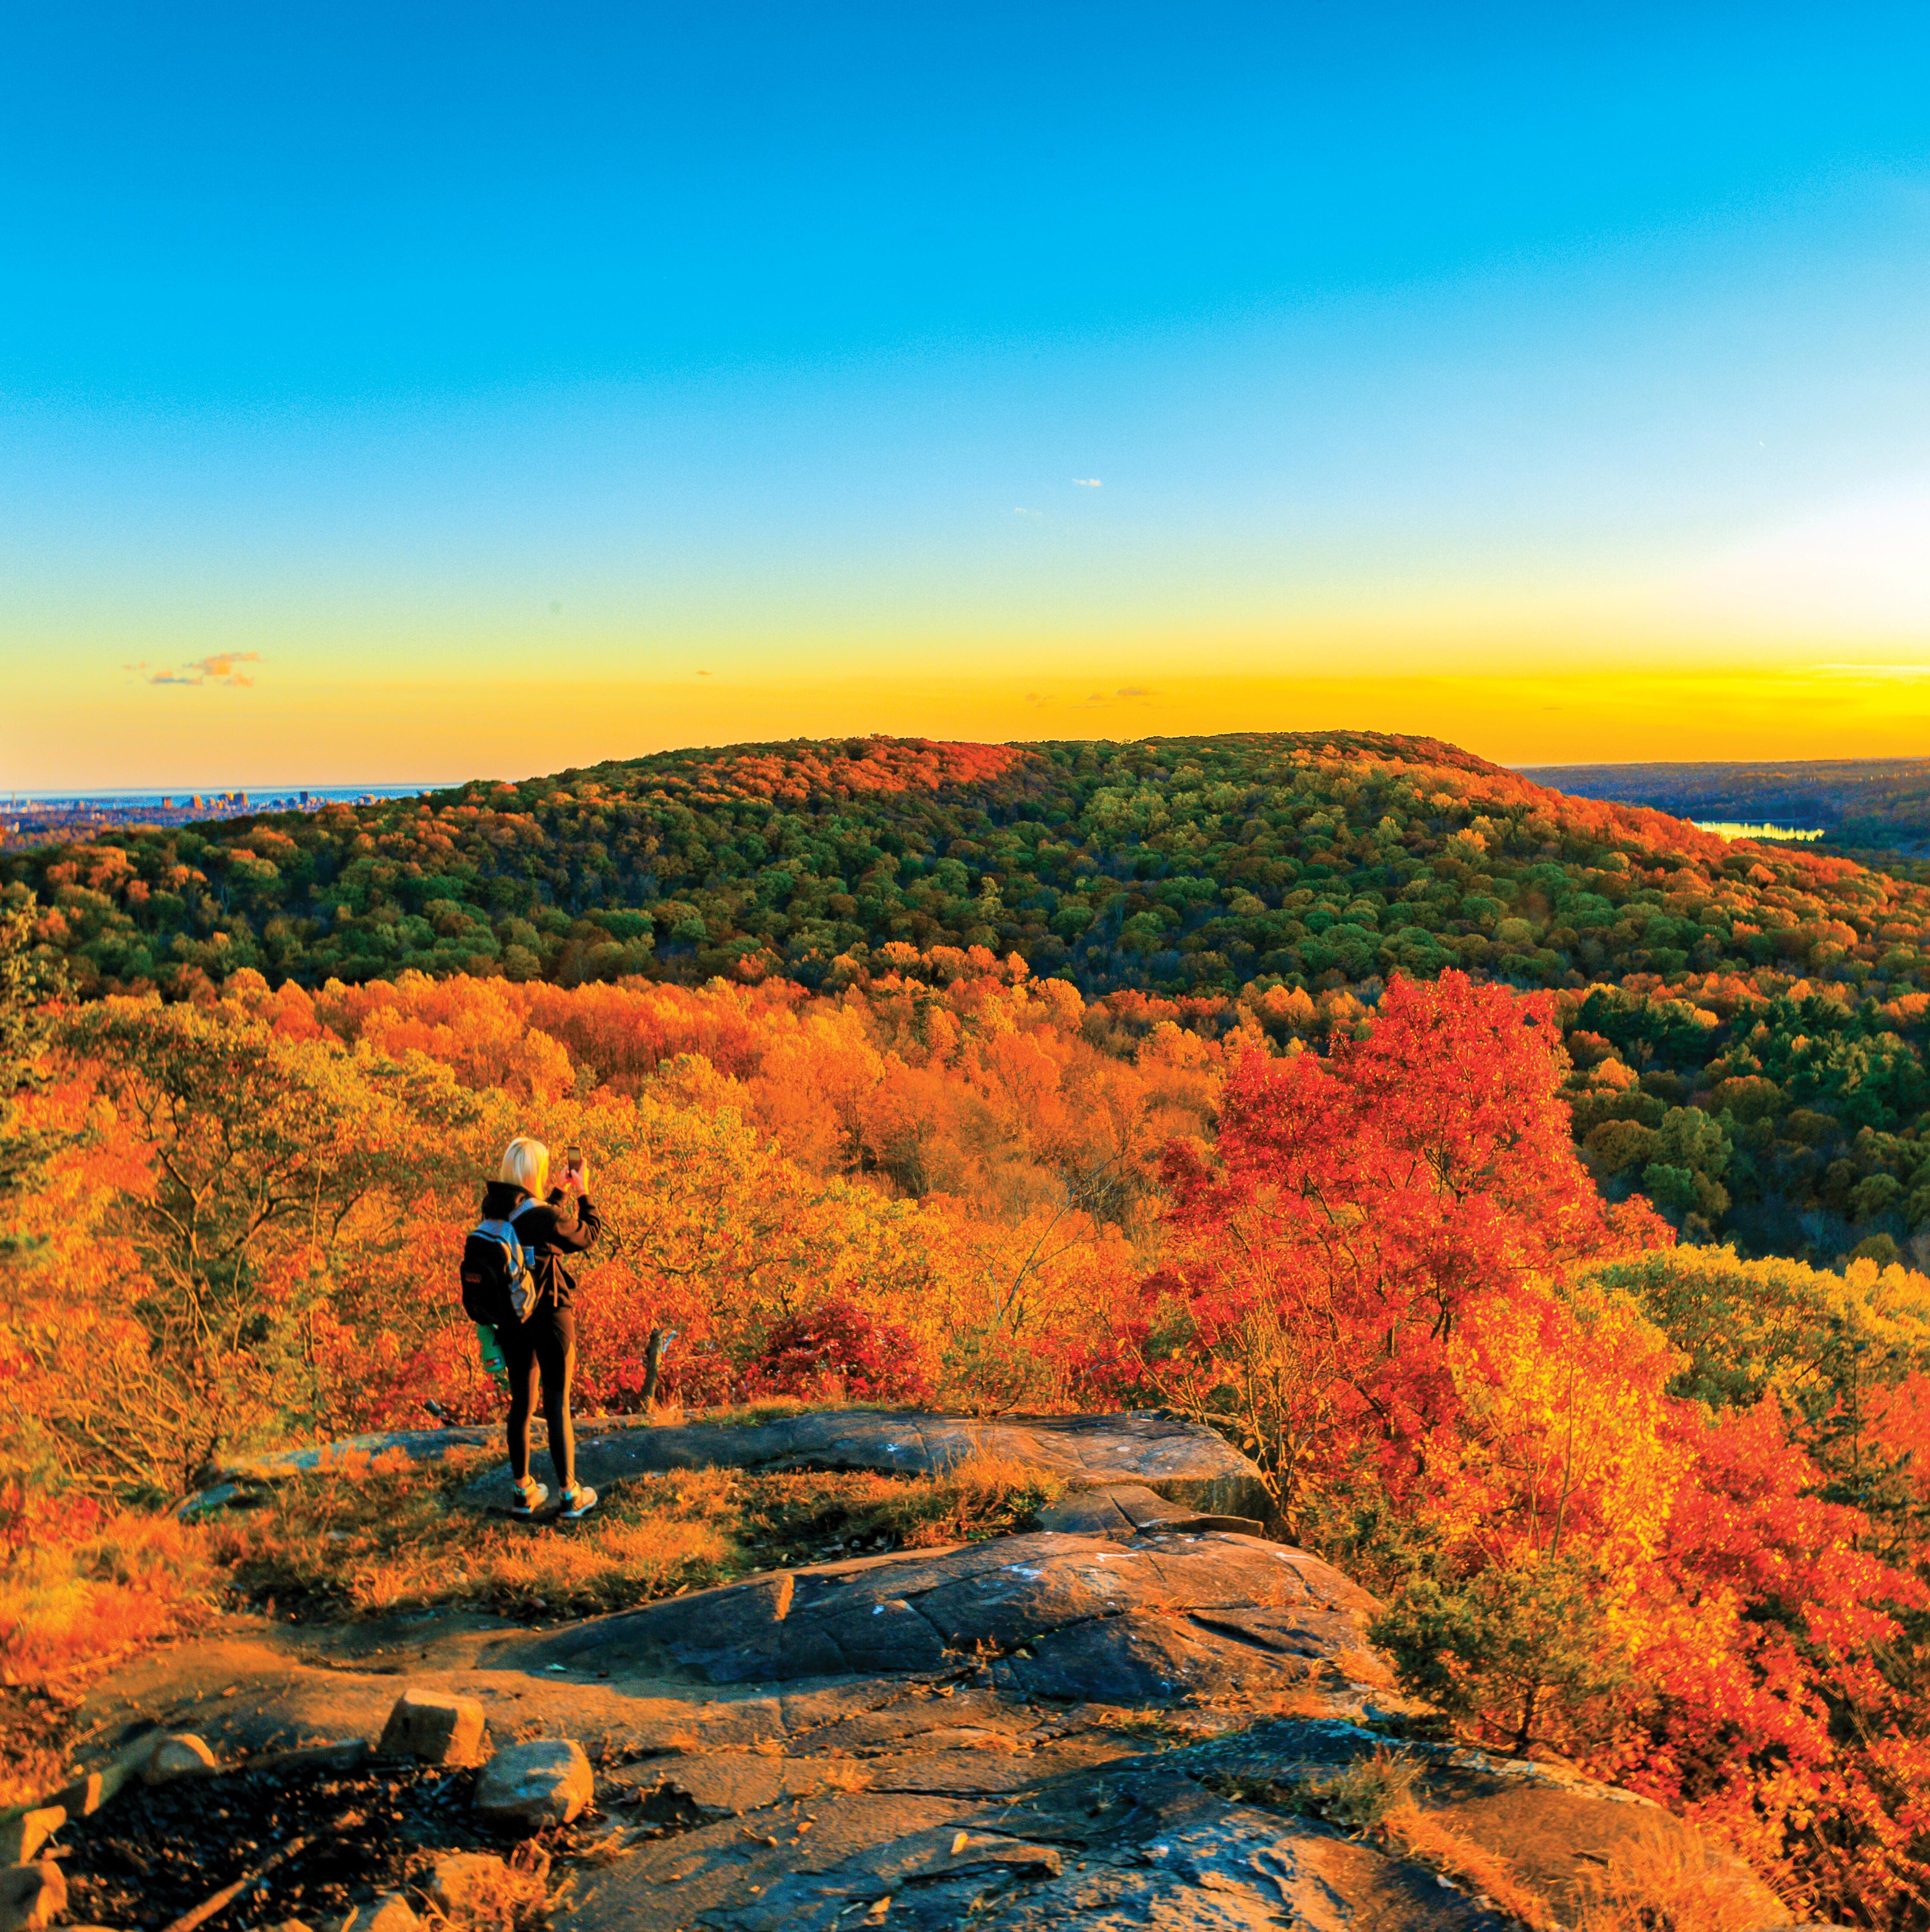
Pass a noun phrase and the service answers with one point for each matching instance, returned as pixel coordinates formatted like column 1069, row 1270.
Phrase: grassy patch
column 1373, row 1798
column 69, row 1606
column 1662, row 1881
column 1359, row 1798
column 364, row 1542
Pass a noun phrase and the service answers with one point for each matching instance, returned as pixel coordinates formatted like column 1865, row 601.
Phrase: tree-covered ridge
column 1174, row 865
column 1747, row 1021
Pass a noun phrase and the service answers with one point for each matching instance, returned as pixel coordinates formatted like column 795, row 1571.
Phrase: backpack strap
column 530, row 1258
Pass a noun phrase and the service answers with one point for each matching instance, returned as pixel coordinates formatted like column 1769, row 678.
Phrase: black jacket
column 550, row 1231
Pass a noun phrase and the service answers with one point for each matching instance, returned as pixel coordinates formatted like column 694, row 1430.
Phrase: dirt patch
column 154, row 1854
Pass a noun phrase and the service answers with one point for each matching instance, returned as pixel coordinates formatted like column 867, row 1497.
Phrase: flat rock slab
column 1184, row 1462
column 1128, row 1844
column 1050, row 1614
column 1124, row 1510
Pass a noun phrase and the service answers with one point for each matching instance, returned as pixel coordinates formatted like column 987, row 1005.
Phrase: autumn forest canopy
column 1747, row 1021
column 1535, row 1187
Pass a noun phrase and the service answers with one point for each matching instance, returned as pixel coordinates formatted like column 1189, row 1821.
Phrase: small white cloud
column 1019, row 510
column 1088, row 482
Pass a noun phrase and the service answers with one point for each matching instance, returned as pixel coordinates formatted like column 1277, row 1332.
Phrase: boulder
column 23, row 1833
column 183, row 1755
column 391, row 1913
column 525, row 1786
column 434, row 1727
column 462, row 1880
column 31, row 1896
column 1184, row 1462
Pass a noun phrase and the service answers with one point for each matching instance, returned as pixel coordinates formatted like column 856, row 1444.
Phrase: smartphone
column 572, row 1156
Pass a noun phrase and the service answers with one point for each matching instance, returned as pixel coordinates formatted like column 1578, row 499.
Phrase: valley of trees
column 1878, row 805
column 1747, row 1021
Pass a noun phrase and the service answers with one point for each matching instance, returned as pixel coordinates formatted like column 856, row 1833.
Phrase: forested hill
column 1747, row 1021
column 1173, row 864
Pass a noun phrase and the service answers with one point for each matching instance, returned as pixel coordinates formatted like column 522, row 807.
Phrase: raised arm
column 575, row 1231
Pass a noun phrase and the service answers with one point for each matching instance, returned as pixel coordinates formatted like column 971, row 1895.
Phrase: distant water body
column 1728, row 828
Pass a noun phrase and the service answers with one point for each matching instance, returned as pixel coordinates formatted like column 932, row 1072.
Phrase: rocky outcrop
column 974, row 1806
column 1134, row 1714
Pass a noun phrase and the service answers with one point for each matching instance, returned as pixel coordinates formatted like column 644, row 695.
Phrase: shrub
column 838, row 1350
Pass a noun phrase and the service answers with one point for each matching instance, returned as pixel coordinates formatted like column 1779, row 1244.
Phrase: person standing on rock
column 539, row 1338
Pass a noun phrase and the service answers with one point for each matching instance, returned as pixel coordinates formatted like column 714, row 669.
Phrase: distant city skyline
column 494, row 393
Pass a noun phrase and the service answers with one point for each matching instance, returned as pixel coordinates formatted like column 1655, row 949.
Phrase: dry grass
column 1425, row 1835
column 364, row 1540
column 69, row 1607
column 1662, row 1881
column 1374, row 1797
column 124, row 1581
column 511, row 1898
column 1358, row 1799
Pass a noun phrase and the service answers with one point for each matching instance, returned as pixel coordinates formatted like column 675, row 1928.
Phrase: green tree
column 30, row 977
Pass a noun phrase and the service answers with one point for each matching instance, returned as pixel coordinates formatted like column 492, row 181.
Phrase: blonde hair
column 525, row 1163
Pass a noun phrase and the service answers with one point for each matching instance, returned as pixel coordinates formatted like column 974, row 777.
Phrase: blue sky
column 923, row 352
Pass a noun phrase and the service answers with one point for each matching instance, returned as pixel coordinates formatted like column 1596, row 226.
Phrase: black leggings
column 546, row 1342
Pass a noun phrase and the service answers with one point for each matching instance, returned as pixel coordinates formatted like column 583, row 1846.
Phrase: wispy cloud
column 703, row 673
column 1133, row 691
column 1089, row 482
column 223, row 669
column 1019, row 510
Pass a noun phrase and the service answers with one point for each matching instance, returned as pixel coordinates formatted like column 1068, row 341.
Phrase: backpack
column 499, row 1278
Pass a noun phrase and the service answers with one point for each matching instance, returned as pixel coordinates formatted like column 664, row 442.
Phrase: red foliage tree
column 1358, row 1205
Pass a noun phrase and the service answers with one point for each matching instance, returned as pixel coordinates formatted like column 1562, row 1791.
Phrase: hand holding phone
column 577, row 1169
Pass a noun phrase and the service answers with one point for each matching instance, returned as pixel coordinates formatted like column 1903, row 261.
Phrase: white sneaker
column 577, row 1502
column 530, row 1497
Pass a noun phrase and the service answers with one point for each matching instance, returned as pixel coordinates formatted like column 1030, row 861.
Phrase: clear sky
column 422, row 392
